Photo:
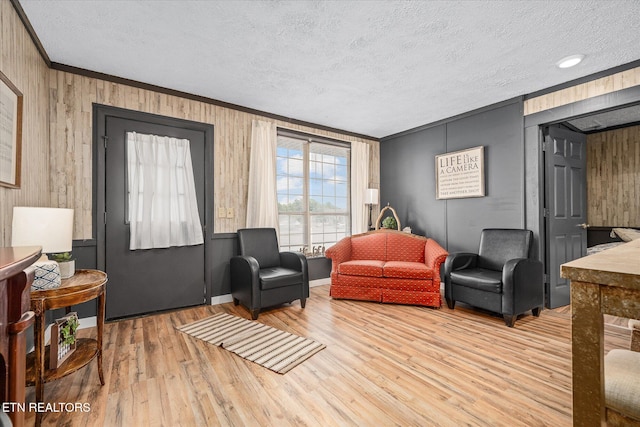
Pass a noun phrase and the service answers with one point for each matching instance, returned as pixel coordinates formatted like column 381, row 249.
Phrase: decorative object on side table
column 63, row 339
column 66, row 262
column 389, row 222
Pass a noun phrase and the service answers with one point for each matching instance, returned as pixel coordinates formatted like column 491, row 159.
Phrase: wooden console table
column 15, row 318
column 604, row 283
column 85, row 285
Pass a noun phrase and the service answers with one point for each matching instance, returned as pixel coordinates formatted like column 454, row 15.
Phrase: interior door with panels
column 565, row 208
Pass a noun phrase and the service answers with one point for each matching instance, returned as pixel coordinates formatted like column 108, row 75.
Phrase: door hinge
column 545, row 146
column 105, row 218
column 545, row 278
column 545, row 212
column 105, row 138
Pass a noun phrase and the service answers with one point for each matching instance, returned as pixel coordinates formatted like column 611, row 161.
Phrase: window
column 313, row 192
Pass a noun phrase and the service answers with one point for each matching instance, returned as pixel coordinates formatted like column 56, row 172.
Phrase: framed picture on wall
column 460, row 174
column 10, row 133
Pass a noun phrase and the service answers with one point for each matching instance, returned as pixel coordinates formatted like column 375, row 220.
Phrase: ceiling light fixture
column 570, row 61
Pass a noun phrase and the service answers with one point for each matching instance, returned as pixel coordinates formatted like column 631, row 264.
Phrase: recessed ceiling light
column 570, row 61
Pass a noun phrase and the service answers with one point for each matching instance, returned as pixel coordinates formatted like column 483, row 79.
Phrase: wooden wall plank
column 71, row 136
column 22, row 64
column 597, row 87
column 613, row 178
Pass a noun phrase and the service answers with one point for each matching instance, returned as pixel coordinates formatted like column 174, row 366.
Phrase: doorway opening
column 161, row 277
column 591, row 172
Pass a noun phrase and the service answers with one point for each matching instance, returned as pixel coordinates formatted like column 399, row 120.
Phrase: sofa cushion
column 405, row 247
column 479, row 278
column 406, row 270
column 371, row 268
column 370, row 246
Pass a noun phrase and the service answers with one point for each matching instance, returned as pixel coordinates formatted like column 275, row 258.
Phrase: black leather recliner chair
column 261, row 276
column 501, row 277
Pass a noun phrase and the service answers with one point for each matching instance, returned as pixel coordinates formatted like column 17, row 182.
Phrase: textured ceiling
column 371, row 67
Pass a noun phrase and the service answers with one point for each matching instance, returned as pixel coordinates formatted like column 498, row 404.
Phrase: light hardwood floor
column 384, row 365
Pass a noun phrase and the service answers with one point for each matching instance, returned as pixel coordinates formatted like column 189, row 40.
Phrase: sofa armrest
column 522, row 285
column 434, row 257
column 339, row 253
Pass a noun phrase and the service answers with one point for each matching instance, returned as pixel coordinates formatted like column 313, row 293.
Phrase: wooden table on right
column 604, row 283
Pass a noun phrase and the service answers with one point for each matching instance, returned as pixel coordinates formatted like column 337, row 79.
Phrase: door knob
column 583, row 225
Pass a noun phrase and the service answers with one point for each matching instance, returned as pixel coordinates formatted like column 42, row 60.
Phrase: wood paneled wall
column 22, row 64
column 72, row 96
column 601, row 86
column 613, row 178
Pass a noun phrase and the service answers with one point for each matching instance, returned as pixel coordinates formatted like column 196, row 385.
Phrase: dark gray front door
column 566, row 207
column 144, row 281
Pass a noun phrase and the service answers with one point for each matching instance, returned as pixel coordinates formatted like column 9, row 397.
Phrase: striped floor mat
column 270, row 347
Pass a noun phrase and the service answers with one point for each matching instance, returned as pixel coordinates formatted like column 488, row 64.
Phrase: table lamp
column 51, row 228
column 371, row 198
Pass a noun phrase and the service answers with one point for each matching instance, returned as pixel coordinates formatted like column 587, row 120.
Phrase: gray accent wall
column 408, row 183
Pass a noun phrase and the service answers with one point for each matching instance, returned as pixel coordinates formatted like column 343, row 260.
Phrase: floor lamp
column 371, row 199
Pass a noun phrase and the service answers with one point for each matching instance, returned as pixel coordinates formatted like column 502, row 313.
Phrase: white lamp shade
column 372, row 196
column 51, row 228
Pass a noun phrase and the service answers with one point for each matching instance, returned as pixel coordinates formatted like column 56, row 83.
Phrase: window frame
column 307, row 140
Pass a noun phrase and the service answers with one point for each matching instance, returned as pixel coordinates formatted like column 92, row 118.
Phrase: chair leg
column 510, row 319
column 255, row 313
column 450, row 303
column 536, row 311
column 303, row 302
column 236, row 301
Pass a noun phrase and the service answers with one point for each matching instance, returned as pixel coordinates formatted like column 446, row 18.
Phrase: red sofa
column 387, row 266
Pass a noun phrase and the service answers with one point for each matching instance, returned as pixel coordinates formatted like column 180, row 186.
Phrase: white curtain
column 162, row 204
column 359, row 185
column 262, row 201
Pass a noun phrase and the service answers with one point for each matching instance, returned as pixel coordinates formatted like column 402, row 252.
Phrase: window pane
column 296, row 186
column 296, row 167
column 328, row 188
column 315, row 187
column 341, row 173
column 315, row 204
column 341, row 189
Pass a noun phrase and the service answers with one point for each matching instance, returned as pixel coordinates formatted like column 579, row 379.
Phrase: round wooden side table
column 85, row 285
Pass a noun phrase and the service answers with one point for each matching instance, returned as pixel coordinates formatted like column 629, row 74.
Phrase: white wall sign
column 460, row 174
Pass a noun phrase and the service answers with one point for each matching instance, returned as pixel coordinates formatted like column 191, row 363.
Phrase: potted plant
column 390, row 222
column 66, row 262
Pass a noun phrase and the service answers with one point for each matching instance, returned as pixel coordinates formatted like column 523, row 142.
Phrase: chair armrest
column 522, row 285
column 339, row 253
column 453, row 262
column 294, row 261
column 434, row 256
column 459, row 261
column 297, row 261
column 245, row 280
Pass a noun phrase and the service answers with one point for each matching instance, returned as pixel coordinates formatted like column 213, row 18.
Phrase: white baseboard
column 319, row 282
column 223, row 299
